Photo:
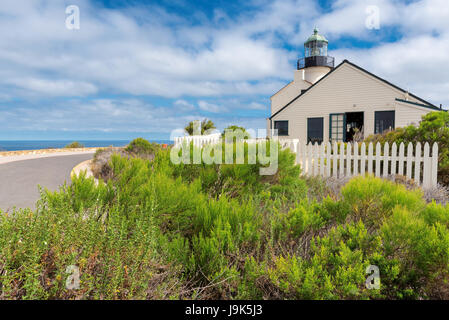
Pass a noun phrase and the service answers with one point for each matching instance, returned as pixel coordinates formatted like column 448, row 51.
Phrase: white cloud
column 235, row 63
column 182, row 105
column 54, row 88
column 210, row 107
column 257, row 106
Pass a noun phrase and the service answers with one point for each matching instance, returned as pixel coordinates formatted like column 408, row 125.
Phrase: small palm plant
column 193, row 128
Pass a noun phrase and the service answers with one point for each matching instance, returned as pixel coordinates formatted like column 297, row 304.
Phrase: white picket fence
column 198, row 141
column 336, row 160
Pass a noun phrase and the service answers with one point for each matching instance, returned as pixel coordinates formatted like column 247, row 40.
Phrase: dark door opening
column 354, row 126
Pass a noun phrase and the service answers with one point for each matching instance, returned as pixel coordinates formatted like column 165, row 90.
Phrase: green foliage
column 236, row 129
column 372, row 199
column 141, row 147
column 434, row 127
column 157, row 230
column 242, row 180
column 74, row 145
column 204, row 126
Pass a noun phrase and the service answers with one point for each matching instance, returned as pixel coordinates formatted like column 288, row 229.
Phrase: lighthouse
column 316, row 62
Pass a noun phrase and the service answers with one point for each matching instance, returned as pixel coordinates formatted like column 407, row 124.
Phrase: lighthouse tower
column 310, row 69
column 316, row 63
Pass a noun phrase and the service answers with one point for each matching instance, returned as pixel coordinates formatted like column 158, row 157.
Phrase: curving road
column 19, row 180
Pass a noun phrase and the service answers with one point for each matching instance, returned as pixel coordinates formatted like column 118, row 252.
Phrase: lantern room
column 315, row 52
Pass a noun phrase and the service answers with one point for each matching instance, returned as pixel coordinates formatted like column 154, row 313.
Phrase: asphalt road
column 19, row 180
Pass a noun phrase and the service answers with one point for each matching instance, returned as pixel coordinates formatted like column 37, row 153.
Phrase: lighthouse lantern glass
column 316, row 48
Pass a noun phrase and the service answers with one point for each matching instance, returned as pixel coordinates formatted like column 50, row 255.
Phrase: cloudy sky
column 145, row 68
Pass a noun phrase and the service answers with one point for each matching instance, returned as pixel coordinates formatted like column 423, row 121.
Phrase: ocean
column 56, row 144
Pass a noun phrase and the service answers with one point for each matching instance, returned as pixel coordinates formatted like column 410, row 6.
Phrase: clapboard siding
column 286, row 94
column 407, row 114
column 347, row 89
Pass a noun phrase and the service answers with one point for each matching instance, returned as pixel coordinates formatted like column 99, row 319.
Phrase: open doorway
column 354, row 126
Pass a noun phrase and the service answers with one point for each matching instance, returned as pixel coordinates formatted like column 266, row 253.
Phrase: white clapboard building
column 325, row 102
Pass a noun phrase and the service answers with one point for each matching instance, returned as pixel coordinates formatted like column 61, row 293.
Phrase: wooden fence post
column 334, row 159
column 363, row 159
column 434, row 179
column 378, row 154
column 417, row 176
column 386, row 159
column 348, row 160
column 394, row 154
column 370, row 158
column 356, row 158
column 409, row 160
column 328, row 159
column 401, row 158
column 427, row 170
column 321, row 159
column 342, row 160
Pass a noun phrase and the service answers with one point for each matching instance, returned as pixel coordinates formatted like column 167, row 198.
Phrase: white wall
column 289, row 92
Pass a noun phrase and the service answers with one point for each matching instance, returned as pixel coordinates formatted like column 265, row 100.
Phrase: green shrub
column 373, row 199
column 157, row 230
column 434, row 127
column 74, row 145
column 141, row 147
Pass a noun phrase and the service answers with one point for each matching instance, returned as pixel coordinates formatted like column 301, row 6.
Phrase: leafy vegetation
column 74, row 145
column 205, row 126
column 142, row 147
column 434, row 127
column 238, row 129
column 156, row 230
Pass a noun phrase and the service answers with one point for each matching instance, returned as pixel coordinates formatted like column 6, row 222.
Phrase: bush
column 157, row 230
column 434, row 127
column 142, row 147
column 101, row 167
column 74, row 145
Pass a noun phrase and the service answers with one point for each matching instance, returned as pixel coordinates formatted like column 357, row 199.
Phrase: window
column 337, row 127
column 383, row 120
column 315, row 130
column 282, row 127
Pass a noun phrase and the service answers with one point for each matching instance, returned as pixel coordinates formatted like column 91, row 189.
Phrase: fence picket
column 310, row 159
column 363, row 158
column 334, row 159
column 394, row 154
column 342, row 160
column 434, row 173
column 427, row 170
column 328, row 159
column 417, row 175
column 348, row 160
column 409, row 160
column 356, row 159
column 401, row 158
column 386, row 159
column 378, row 155
column 322, row 159
column 370, row 158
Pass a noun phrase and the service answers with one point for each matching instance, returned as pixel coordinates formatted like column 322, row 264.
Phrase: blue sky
column 146, row 68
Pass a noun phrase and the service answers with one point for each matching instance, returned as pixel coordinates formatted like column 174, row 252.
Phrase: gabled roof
column 282, row 88
column 419, row 104
column 427, row 104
